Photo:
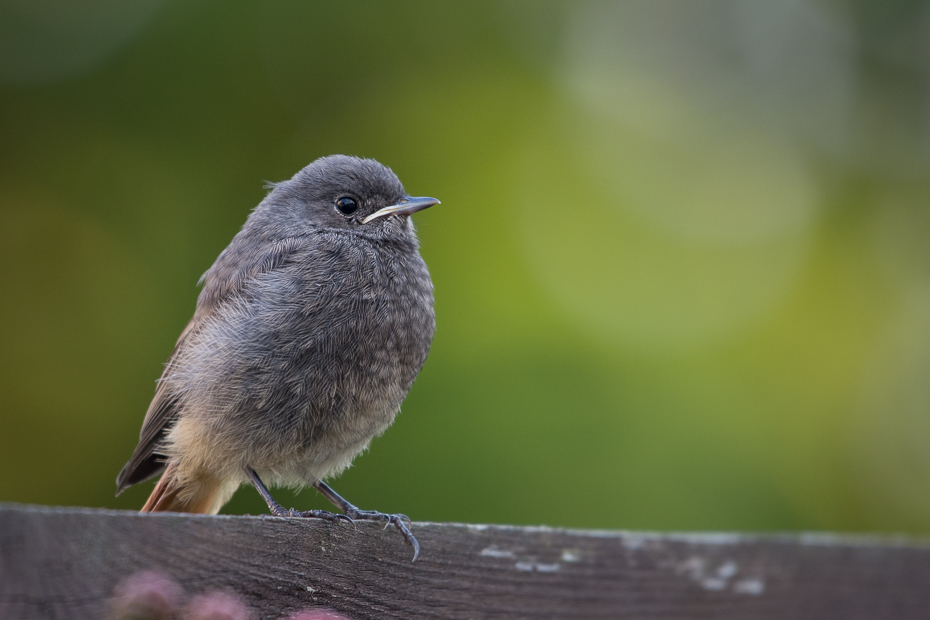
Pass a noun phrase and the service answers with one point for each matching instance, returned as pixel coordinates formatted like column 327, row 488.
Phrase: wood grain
column 65, row 562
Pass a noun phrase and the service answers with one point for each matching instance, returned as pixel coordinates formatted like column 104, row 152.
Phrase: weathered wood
column 64, row 563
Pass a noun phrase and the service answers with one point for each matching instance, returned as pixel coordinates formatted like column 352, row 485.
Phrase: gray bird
column 309, row 331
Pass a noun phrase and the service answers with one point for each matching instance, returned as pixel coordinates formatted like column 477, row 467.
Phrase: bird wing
column 224, row 281
column 159, row 419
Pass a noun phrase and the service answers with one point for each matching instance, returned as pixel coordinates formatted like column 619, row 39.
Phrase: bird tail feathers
column 204, row 494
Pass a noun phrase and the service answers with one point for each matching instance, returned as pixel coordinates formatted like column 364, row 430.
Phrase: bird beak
column 407, row 206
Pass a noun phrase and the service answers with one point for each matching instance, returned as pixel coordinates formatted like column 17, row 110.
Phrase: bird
column 308, row 333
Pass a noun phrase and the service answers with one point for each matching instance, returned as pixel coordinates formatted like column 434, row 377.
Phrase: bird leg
column 280, row 511
column 354, row 513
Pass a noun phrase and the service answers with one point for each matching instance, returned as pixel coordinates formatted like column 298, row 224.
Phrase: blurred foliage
column 682, row 264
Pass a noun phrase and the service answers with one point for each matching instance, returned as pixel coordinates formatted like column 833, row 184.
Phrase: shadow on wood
column 64, row 563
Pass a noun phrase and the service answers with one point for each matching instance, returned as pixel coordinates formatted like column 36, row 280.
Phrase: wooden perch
column 65, row 562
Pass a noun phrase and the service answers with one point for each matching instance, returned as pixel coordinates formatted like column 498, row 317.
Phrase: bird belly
column 297, row 386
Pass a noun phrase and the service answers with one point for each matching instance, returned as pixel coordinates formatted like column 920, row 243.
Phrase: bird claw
column 397, row 520
column 409, row 538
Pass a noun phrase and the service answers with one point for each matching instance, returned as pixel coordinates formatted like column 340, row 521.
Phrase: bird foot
column 397, row 520
column 279, row 511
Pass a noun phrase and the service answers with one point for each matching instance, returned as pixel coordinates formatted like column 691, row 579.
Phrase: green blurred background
column 682, row 263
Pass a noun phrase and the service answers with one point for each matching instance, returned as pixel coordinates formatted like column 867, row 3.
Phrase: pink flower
column 216, row 606
column 146, row 595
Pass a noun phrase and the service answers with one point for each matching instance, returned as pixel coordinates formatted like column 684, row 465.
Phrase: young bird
column 309, row 331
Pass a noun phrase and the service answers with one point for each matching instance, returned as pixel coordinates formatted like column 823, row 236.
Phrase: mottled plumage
column 308, row 333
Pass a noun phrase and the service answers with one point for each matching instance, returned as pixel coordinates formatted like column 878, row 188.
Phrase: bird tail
column 203, row 494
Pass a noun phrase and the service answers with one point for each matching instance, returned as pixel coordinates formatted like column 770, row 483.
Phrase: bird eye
column 346, row 205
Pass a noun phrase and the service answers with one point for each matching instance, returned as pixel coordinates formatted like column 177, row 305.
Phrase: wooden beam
column 65, row 562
